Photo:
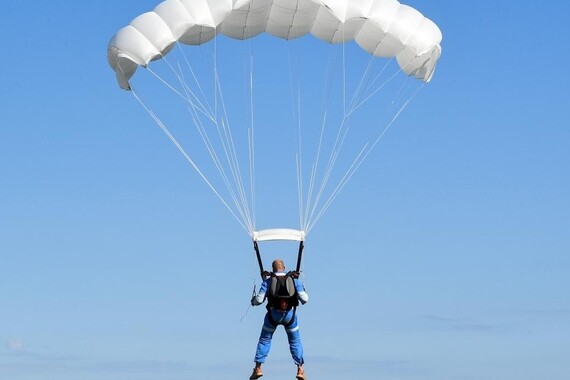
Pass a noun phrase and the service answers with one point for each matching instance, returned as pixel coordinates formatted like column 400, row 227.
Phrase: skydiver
column 280, row 311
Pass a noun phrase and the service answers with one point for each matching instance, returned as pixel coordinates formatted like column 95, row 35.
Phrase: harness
column 282, row 289
column 292, row 274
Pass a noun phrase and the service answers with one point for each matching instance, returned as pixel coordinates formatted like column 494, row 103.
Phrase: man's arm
column 259, row 298
column 301, row 293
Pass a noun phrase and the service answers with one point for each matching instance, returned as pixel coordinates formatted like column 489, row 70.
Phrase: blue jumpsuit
column 281, row 318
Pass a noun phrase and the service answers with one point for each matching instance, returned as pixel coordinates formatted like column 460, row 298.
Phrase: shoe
column 300, row 373
column 257, row 373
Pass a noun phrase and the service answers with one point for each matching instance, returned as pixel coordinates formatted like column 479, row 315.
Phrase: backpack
column 282, row 294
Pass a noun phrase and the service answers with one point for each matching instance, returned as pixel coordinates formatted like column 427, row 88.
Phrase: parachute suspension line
column 209, row 146
column 405, row 89
column 329, row 76
column 336, row 147
column 338, row 188
column 291, row 84
column 217, row 163
column 313, row 175
column 206, row 140
column 297, row 112
column 300, row 191
column 362, row 86
column 404, row 106
column 398, row 94
column 335, row 152
column 343, row 73
column 362, row 102
column 205, row 109
column 228, row 145
column 251, row 139
column 220, row 120
column 197, row 122
column 186, row 98
column 331, row 68
column 370, row 83
column 195, row 79
column 181, row 149
column 332, row 161
column 365, row 78
column 212, row 151
column 215, row 59
column 343, row 129
column 227, row 141
column 364, row 153
column 188, row 90
column 339, row 142
column 300, row 142
column 251, row 146
column 329, row 79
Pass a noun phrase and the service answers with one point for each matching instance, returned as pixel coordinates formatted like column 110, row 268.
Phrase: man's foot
column 300, row 373
column 257, row 373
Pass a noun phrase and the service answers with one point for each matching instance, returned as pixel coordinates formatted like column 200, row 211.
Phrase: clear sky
column 445, row 257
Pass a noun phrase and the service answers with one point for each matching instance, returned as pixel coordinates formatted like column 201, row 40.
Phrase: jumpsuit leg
column 295, row 345
column 264, row 344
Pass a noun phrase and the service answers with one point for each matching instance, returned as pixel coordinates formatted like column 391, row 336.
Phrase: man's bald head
column 278, row 265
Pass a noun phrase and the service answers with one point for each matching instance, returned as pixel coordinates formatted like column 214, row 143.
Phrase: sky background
column 446, row 256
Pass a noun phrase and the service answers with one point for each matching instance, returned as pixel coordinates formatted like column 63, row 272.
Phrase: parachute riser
column 265, row 274
column 300, row 257
column 259, row 261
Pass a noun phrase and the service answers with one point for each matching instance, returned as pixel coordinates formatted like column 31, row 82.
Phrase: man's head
column 278, row 265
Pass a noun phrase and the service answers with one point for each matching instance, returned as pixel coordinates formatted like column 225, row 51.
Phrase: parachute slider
column 278, row 234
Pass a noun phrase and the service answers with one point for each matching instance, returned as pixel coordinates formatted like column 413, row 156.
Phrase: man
column 280, row 311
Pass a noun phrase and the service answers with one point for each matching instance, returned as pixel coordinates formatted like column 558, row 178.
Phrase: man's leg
column 264, row 343
column 295, row 345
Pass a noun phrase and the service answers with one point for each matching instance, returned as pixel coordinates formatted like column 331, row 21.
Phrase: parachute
column 384, row 30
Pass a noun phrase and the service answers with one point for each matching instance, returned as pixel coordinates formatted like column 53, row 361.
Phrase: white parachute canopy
column 383, row 29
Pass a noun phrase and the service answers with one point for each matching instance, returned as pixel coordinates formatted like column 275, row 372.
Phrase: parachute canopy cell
column 384, row 28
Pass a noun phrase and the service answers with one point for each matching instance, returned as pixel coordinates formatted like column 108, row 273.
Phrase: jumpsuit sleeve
column 301, row 293
column 260, row 297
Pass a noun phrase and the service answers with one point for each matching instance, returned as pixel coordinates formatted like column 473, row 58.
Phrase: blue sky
column 448, row 249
